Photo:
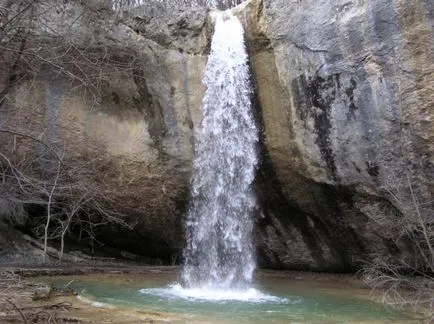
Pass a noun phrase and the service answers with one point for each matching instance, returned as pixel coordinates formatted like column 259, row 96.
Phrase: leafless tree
column 44, row 180
column 68, row 202
column 403, row 281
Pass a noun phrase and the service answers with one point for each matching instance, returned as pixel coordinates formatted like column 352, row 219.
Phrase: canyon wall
column 344, row 96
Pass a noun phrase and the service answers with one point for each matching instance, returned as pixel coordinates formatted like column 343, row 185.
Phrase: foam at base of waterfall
column 250, row 295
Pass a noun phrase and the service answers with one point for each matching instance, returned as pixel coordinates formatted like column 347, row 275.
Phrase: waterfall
column 219, row 252
column 219, row 256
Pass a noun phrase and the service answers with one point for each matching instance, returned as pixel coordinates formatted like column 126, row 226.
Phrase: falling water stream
column 219, row 256
column 219, row 252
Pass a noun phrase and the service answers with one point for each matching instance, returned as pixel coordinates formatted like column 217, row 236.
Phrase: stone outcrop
column 346, row 93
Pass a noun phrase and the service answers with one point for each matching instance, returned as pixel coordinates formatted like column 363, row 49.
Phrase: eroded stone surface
column 124, row 116
column 346, row 94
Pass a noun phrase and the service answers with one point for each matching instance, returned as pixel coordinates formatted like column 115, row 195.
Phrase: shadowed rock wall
column 345, row 89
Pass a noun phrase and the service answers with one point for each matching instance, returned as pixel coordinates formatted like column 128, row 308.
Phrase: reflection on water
column 273, row 300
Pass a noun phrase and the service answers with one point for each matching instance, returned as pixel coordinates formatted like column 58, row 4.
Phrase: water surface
column 272, row 300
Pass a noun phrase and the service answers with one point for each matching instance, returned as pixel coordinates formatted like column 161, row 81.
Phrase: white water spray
column 219, row 252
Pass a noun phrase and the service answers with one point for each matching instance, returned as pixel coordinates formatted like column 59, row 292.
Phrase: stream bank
column 24, row 299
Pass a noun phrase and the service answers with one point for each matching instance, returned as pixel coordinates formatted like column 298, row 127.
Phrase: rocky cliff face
column 346, row 92
column 344, row 95
column 118, row 94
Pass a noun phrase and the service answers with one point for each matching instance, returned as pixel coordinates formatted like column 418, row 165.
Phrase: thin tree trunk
column 50, row 200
